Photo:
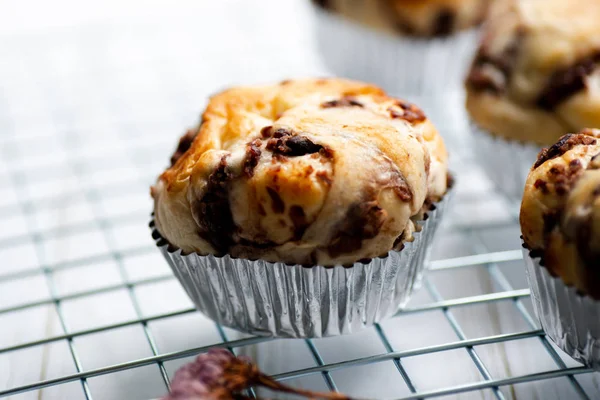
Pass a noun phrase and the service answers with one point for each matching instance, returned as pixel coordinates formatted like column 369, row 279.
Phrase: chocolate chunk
column 213, row 213
column 326, row 152
column 556, row 170
column 403, row 192
column 401, row 187
column 444, row 23
column 281, row 132
column 410, row 113
column 480, row 81
column 266, row 132
column 298, row 218
column 301, row 145
column 428, row 204
column 185, row 142
column 575, row 164
column 541, row 185
column 398, row 240
column 292, row 146
column 564, row 144
column 276, row 146
column 363, row 221
column 277, row 203
column 346, row 101
column 308, row 171
column 324, row 177
column 566, row 82
column 252, row 157
column 563, row 178
column 481, row 78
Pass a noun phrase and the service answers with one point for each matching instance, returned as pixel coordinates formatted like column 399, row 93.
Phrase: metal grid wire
column 79, row 149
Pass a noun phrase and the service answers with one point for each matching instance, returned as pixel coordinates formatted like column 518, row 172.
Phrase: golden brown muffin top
column 560, row 212
column 310, row 171
column 413, row 17
column 536, row 75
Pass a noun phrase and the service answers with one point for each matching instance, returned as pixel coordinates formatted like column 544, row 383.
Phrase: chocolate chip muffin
column 559, row 210
column 536, row 75
column 306, row 172
column 425, row 18
column 534, row 79
column 560, row 224
column 400, row 44
column 298, row 176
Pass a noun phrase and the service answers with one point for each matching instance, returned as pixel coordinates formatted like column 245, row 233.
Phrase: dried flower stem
column 219, row 375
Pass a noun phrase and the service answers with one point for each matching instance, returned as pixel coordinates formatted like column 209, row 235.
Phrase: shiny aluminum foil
column 506, row 162
column 275, row 299
column 570, row 319
column 402, row 65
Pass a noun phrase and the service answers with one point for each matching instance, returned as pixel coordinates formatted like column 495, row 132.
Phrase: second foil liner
column 276, row 299
column 505, row 162
column 570, row 319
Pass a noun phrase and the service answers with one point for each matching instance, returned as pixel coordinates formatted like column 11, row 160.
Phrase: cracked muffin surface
column 560, row 212
column 536, row 75
column 425, row 18
column 314, row 171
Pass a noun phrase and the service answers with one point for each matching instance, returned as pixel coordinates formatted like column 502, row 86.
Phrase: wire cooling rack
column 89, row 310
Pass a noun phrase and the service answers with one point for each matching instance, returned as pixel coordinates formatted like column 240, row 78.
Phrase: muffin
column 400, row 44
column 303, row 208
column 535, row 78
column 560, row 224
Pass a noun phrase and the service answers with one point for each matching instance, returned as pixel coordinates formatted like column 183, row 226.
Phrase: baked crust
column 413, row 17
column 318, row 171
column 560, row 211
column 536, row 75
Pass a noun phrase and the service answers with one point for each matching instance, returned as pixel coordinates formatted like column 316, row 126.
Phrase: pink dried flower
column 219, row 375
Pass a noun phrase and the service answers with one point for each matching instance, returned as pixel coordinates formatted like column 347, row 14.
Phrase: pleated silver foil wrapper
column 570, row 319
column 276, row 299
column 505, row 162
column 402, row 65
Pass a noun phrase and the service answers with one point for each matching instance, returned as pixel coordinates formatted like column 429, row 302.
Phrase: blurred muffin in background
column 406, row 46
column 536, row 77
column 426, row 18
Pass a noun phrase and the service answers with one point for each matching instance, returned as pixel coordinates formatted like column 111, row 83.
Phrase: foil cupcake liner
column 570, row 319
column 402, row 65
column 505, row 162
column 276, row 299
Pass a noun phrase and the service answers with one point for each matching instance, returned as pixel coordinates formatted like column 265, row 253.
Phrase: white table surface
column 93, row 96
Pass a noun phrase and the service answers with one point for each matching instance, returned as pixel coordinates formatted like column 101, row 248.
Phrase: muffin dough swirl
column 324, row 171
column 560, row 212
